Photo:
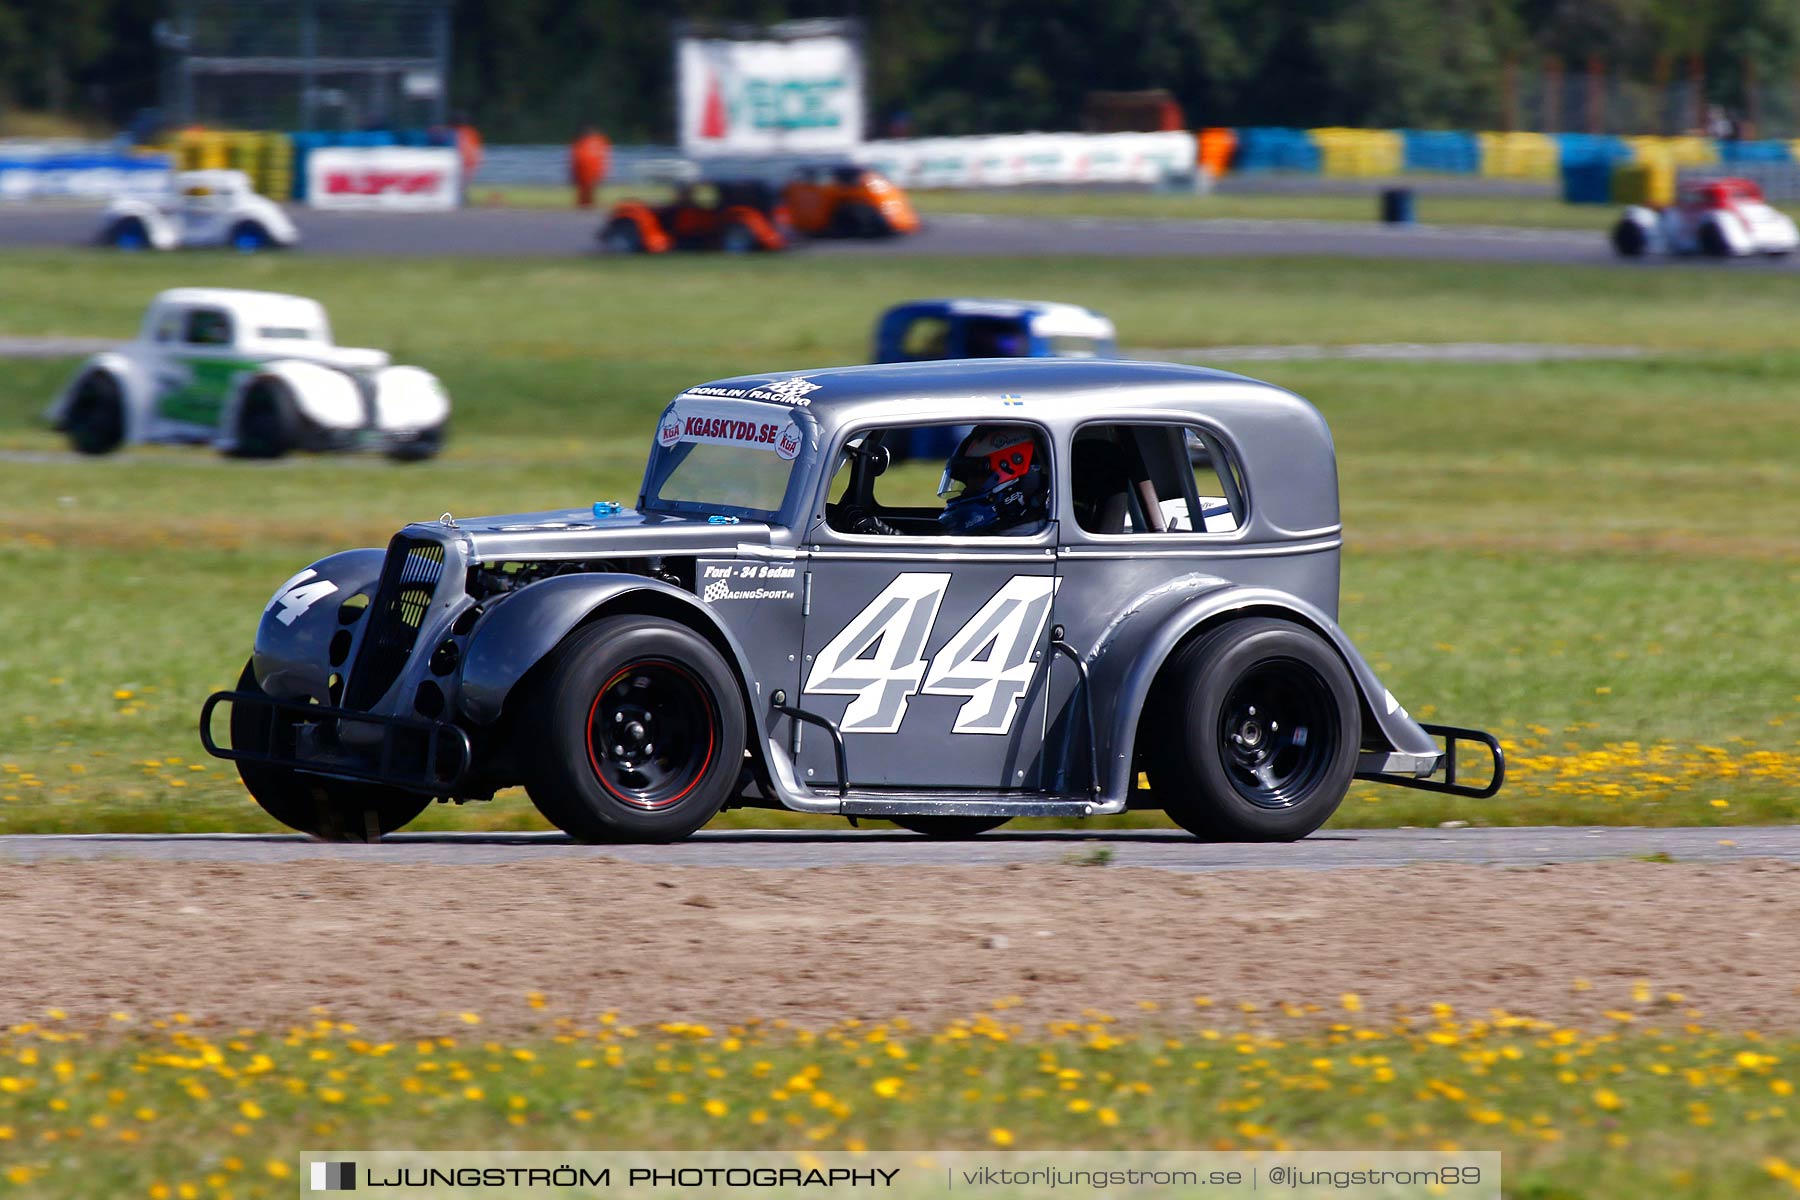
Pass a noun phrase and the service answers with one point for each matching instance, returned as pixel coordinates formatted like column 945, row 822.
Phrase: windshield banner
column 729, row 425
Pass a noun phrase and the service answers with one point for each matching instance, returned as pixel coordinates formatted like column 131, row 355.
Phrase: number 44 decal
column 879, row 656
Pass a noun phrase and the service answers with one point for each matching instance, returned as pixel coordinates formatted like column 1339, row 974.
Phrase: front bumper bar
column 429, row 757
column 1452, row 736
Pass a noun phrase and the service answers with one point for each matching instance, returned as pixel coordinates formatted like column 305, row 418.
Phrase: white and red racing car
column 1722, row 218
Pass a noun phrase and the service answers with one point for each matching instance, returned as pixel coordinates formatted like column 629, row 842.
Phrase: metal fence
column 305, row 64
column 1595, row 98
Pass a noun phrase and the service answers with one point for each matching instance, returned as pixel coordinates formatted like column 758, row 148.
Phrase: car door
column 924, row 650
column 199, row 369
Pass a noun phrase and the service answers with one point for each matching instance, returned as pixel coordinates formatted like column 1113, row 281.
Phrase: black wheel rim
column 652, row 732
column 1278, row 732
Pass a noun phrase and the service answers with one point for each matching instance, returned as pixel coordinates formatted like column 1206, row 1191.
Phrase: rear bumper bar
column 428, row 757
column 1453, row 736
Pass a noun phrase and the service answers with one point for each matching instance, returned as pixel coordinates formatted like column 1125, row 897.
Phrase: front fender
column 409, row 399
column 1738, row 238
column 518, row 632
column 326, row 397
column 1129, row 654
column 292, row 657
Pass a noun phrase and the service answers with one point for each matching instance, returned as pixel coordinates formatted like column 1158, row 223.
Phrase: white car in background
column 255, row 374
column 204, row 209
column 1721, row 218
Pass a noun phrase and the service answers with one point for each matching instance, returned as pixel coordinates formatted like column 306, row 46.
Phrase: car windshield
column 731, row 459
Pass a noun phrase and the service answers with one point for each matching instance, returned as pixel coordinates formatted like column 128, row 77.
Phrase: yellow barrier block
column 1649, row 183
column 1686, row 151
column 1518, row 155
column 1359, row 152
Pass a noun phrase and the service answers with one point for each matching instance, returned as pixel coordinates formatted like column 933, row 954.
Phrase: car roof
column 274, row 308
column 1048, row 318
column 1276, row 435
column 214, row 177
column 982, row 389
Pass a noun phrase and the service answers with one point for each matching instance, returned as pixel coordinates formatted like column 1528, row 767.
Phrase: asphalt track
column 519, row 232
column 827, row 847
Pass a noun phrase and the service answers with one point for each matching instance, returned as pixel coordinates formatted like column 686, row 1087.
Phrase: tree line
column 530, row 70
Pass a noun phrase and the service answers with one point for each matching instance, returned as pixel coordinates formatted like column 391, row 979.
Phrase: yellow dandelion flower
column 716, row 1107
column 277, row 1168
column 887, row 1088
column 1107, row 1116
column 470, row 1018
column 1000, row 1137
column 1608, row 1099
column 1351, row 1002
column 251, row 1109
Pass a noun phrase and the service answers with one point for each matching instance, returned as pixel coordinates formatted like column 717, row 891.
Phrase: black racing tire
column 127, row 233
column 268, row 421
column 332, row 810
column 248, row 237
column 96, row 418
column 632, row 730
column 861, row 221
column 738, row 238
column 419, row 449
column 622, row 236
column 1254, row 733
column 1629, row 240
column 1712, row 241
column 949, row 829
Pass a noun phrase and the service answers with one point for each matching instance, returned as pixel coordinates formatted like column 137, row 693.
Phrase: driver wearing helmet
column 995, row 482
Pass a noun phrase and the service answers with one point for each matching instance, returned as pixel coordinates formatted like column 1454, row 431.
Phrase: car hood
column 577, row 533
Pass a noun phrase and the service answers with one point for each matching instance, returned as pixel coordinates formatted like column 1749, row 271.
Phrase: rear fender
column 134, row 387
column 1737, row 235
column 649, row 228
column 516, row 634
column 767, row 236
column 325, row 397
column 1129, row 655
column 409, row 399
column 292, row 658
column 157, row 224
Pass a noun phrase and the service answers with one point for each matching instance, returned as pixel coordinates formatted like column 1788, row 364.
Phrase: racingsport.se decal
column 878, row 657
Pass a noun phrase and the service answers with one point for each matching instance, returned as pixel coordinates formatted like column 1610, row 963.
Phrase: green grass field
column 1595, row 559
column 178, row 1111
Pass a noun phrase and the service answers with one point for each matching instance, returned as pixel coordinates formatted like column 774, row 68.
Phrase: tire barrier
column 1444, row 150
column 1360, row 153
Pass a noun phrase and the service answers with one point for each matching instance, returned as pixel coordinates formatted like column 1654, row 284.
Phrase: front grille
column 409, row 579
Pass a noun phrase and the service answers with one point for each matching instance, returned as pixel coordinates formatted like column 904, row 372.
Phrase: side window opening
column 942, row 481
column 208, row 327
column 995, row 337
column 1153, row 479
column 927, row 338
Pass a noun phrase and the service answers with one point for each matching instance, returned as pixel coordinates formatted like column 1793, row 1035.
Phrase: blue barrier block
column 1756, row 152
column 1587, row 181
column 1592, row 147
column 1274, row 148
column 1441, row 150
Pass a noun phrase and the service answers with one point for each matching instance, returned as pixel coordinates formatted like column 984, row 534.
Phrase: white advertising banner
column 802, row 95
column 1012, row 160
column 383, row 177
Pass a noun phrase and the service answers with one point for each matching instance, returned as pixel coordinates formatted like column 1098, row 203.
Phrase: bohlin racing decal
column 747, row 581
column 726, row 425
column 793, row 390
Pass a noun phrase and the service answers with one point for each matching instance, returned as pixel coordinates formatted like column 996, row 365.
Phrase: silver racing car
column 1124, row 574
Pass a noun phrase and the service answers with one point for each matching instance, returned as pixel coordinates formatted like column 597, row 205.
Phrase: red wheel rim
column 652, row 733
